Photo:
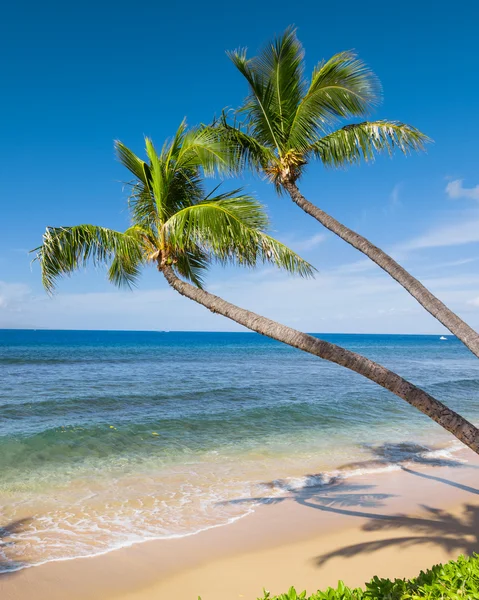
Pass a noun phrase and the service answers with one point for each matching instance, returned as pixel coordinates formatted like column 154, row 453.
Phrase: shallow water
column 112, row 438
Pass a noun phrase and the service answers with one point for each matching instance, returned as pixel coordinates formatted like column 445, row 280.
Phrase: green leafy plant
column 456, row 580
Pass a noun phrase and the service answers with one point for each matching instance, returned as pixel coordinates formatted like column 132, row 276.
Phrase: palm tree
column 181, row 231
column 288, row 122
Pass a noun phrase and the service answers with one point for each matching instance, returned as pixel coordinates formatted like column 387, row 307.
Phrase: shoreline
column 275, row 546
column 436, row 455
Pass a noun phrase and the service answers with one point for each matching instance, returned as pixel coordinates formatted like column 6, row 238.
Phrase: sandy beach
column 390, row 524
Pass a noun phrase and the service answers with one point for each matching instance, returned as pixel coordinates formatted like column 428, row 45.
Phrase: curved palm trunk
column 447, row 418
column 432, row 304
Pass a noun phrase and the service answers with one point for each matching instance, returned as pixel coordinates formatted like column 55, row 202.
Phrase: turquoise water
column 111, row 438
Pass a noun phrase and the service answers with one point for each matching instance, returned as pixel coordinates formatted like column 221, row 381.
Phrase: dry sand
column 390, row 524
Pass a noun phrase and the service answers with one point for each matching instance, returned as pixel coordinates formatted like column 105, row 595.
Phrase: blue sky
column 76, row 77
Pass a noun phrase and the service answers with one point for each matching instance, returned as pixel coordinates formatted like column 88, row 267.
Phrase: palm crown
column 173, row 222
column 289, row 119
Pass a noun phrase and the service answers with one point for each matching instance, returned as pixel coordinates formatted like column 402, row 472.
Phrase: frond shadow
column 457, row 534
column 337, row 493
column 452, row 532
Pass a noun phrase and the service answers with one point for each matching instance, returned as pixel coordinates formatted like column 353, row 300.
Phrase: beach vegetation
column 456, row 580
column 287, row 120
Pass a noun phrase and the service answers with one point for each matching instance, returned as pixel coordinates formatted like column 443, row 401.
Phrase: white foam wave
column 404, row 458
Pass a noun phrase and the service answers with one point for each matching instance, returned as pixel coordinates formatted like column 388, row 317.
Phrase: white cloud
column 456, row 234
column 464, row 229
column 455, row 190
column 358, row 266
column 454, row 263
column 394, row 200
column 303, row 245
column 394, row 196
column 12, row 296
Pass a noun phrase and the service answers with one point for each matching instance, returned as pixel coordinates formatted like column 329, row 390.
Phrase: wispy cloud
column 394, row 201
column 13, row 295
column 358, row 266
column 465, row 229
column 303, row 245
column 455, row 234
column 453, row 263
column 456, row 190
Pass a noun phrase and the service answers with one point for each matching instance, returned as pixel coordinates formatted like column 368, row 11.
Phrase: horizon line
column 213, row 331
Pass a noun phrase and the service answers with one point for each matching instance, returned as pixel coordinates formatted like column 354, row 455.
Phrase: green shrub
column 456, row 580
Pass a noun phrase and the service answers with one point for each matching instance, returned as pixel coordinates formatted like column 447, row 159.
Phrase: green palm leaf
column 202, row 148
column 343, row 87
column 363, row 141
column 230, row 229
column 246, row 150
column 191, row 265
column 135, row 165
column 158, row 186
column 66, row 249
column 259, row 106
column 141, row 200
column 280, row 65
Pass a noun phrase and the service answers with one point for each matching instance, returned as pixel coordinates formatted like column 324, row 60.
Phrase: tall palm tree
column 288, row 122
column 180, row 230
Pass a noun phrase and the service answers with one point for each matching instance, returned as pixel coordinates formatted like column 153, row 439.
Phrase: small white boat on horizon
column 443, row 338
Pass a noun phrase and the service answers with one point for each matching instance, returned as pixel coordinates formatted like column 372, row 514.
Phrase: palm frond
column 202, row 148
column 230, row 229
column 363, row 141
column 341, row 87
column 162, row 186
column 259, row 106
column 276, row 253
column 246, row 150
column 126, row 265
column 192, row 265
column 66, row 249
column 141, row 200
column 171, row 148
column 159, row 179
column 281, row 65
column 142, row 205
column 135, row 165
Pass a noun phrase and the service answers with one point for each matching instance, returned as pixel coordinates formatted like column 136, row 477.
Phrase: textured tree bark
column 445, row 417
column 433, row 305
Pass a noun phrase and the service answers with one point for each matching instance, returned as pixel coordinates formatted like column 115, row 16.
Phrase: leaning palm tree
column 181, row 231
column 288, row 122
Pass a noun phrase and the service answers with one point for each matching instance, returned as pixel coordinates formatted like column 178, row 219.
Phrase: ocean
column 110, row 438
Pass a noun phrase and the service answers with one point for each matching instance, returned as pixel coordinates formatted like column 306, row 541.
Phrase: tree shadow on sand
column 7, row 532
column 405, row 455
column 454, row 533
column 458, row 533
